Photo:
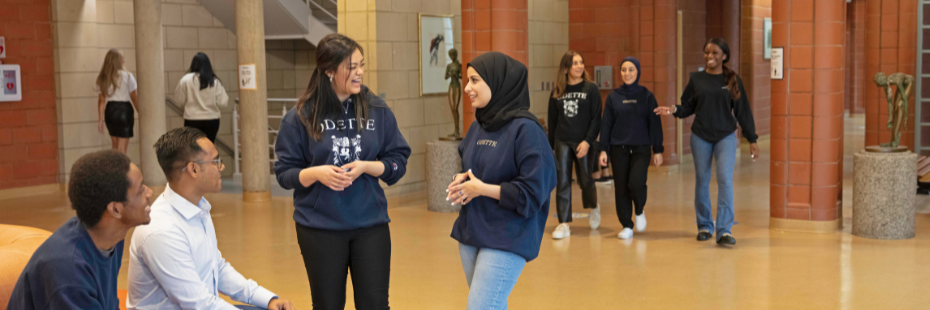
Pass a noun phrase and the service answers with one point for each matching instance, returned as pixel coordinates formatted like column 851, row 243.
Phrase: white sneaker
column 641, row 222
column 626, row 233
column 595, row 219
column 561, row 231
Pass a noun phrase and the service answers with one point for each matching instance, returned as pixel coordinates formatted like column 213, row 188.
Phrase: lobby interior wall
column 891, row 43
column 548, row 41
column 855, row 57
column 648, row 34
column 388, row 31
column 28, row 128
column 86, row 29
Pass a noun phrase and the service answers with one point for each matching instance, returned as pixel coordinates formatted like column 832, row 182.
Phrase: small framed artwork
column 436, row 38
column 767, row 31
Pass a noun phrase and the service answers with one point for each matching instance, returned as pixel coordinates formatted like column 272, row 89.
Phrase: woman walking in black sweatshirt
column 574, row 122
column 505, row 203
column 717, row 99
column 632, row 134
column 332, row 149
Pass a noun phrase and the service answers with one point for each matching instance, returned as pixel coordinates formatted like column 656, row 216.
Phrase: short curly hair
column 176, row 148
column 97, row 179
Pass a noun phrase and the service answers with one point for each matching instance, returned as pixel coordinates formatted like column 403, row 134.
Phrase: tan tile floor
column 662, row 268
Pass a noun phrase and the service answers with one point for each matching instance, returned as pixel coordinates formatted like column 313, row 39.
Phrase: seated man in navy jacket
column 76, row 268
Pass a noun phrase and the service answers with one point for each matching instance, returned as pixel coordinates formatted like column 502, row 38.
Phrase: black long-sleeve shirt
column 717, row 114
column 629, row 120
column 576, row 115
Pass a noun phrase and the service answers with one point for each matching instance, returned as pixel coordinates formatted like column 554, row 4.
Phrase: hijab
column 635, row 88
column 510, row 96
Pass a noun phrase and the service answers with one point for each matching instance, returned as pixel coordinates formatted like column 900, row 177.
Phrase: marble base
column 442, row 163
column 884, row 195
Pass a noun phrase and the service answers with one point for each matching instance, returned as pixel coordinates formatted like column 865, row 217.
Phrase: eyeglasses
column 218, row 162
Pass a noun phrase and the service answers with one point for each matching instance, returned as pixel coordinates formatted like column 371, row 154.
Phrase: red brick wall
column 28, row 128
column 754, row 69
column 807, row 111
column 891, row 39
column 498, row 25
column 855, row 57
column 648, row 34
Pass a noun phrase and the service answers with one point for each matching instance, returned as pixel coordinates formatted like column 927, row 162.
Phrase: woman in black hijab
column 508, row 173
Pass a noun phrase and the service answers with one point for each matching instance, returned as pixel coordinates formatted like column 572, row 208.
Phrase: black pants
column 209, row 127
column 329, row 255
column 565, row 156
column 630, row 168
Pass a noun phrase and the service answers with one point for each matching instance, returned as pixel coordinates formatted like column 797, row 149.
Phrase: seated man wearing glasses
column 174, row 263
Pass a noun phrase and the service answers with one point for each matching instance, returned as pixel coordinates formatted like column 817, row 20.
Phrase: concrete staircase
column 310, row 20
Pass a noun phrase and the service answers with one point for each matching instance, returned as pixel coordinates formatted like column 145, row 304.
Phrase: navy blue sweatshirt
column 518, row 158
column 344, row 140
column 629, row 120
column 68, row 272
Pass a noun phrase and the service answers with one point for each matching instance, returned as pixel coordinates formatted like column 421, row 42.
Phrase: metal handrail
column 271, row 130
column 321, row 8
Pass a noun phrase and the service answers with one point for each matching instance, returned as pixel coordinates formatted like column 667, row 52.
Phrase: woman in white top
column 202, row 95
column 116, row 99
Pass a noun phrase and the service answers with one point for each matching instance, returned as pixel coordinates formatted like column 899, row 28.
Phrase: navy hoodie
column 68, row 272
column 518, row 158
column 344, row 140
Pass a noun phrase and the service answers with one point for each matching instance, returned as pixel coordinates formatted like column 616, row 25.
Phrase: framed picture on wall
column 435, row 40
column 767, row 31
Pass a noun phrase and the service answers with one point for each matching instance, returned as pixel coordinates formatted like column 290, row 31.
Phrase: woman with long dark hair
column 116, row 99
column 574, row 123
column 202, row 95
column 505, row 203
column 631, row 134
column 332, row 149
column 718, row 100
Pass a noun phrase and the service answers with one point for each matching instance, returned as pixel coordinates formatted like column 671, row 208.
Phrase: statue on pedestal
column 454, row 71
column 897, row 107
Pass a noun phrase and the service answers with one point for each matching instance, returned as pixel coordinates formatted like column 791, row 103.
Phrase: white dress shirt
column 200, row 104
column 174, row 262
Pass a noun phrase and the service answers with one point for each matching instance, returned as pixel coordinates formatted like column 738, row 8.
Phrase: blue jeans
column 491, row 276
column 724, row 153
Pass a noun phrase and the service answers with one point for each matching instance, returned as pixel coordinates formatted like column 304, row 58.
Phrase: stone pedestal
column 443, row 162
column 884, row 192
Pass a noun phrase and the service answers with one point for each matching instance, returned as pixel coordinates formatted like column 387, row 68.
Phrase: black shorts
column 119, row 119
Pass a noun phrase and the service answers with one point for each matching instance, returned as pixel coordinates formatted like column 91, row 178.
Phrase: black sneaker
column 726, row 239
column 704, row 235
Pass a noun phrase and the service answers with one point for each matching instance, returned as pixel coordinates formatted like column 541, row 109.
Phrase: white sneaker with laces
column 595, row 219
column 641, row 222
column 561, row 231
column 626, row 233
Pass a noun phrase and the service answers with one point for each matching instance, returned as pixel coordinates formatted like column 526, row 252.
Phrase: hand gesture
column 582, row 149
column 464, row 192
column 330, row 176
column 278, row 304
column 355, row 169
column 664, row 111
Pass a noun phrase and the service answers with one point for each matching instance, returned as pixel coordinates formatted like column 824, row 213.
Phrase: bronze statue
column 454, row 71
column 897, row 103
